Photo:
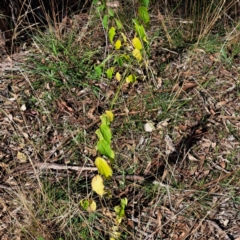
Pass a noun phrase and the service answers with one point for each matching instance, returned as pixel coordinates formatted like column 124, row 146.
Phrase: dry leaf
column 23, row 107
column 149, row 127
column 169, row 145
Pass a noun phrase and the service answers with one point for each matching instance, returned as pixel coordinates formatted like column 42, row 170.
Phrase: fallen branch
column 63, row 167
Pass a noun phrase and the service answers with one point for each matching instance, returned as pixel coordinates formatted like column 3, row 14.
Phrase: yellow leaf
column 110, row 115
column 103, row 167
column 128, row 79
column 137, row 43
column 97, row 185
column 92, row 206
column 118, row 76
column 118, row 44
column 137, row 54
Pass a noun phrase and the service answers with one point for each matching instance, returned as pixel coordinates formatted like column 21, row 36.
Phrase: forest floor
column 176, row 136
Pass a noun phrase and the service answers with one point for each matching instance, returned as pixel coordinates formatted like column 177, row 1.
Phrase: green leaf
column 84, row 204
column 100, row 9
column 109, row 72
column 95, row 2
column 105, row 21
column 103, row 167
column 106, row 133
column 124, row 202
column 111, row 34
column 143, row 14
column 119, row 24
column 139, row 29
column 118, row 59
column 99, row 134
column 98, row 71
column 111, row 12
column 145, row 40
column 145, row 2
column 105, row 149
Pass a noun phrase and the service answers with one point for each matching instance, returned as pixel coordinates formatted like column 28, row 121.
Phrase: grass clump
column 62, row 62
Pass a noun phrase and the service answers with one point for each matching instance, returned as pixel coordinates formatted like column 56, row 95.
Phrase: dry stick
column 77, row 168
column 63, row 167
column 80, row 169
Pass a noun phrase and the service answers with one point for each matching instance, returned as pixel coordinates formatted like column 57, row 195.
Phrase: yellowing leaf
column 92, row 206
column 137, row 43
column 118, row 44
column 118, row 76
column 97, row 185
column 110, row 115
column 104, row 119
column 131, row 79
column 115, row 234
column 21, row 157
column 120, row 210
column 124, row 37
column 103, row 167
column 89, row 205
column 137, row 54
